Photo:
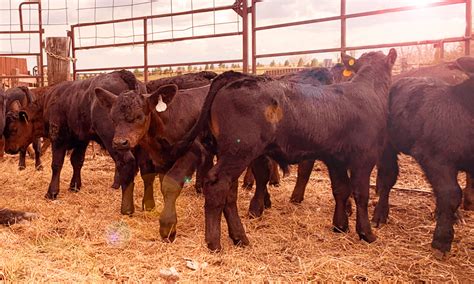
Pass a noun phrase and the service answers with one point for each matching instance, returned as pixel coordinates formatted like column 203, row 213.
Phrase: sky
column 432, row 23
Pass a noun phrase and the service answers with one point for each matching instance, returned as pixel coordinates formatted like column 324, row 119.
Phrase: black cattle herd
column 352, row 117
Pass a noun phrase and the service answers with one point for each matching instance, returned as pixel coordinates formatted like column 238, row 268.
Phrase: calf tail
column 219, row 82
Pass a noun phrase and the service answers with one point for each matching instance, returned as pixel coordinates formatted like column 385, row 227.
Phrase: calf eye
column 141, row 117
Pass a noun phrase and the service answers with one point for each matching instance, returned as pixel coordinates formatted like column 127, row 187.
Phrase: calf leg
column 37, row 148
column 116, row 184
column 274, row 173
column 216, row 194
column 22, row 161
column 448, row 195
column 469, row 194
column 231, row 214
column 261, row 171
column 147, row 171
column 59, row 152
column 387, row 172
column 171, row 187
column 203, row 168
column 248, row 179
column 341, row 190
column 360, row 183
column 77, row 161
column 127, row 168
column 304, row 172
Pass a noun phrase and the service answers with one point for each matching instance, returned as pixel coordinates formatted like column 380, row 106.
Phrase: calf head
column 131, row 112
column 375, row 59
column 18, row 129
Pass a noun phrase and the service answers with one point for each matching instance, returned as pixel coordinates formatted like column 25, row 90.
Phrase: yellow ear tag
column 347, row 73
column 351, row 62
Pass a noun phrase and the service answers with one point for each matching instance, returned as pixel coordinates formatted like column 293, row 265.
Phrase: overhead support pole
column 343, row 26
column 467, row 43
column 145, row 50
column 241, row 8
column 254, row 36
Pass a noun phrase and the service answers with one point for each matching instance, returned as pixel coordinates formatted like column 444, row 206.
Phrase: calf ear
column 466, row 64
column 23, row 116
column 348, row 61
column 392, row 56
column 105, row 98
column 160, row 98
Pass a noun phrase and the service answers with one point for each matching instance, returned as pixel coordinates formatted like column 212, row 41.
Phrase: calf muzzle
column 121, row 144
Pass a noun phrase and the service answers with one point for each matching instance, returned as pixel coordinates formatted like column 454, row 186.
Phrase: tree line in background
column 410, row 57
column 291, row 62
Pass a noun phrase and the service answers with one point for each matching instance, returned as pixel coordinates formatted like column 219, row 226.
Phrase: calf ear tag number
column 347, row 73
column 161, row 106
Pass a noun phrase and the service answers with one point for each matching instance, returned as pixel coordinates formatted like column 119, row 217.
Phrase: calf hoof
column 74, row 188
column 247, row 186
column 148, row 205
column 127, row 210
column 51, row 195
column 296, row 199
column 440, row 249
column 21, row 168
column 370, row 237
column 242, row 241
column 440, row 255
column 340, row 229
column 115, row 185
column 255, row 210
column 214, row 246
column 168, row 233
column 380, row 217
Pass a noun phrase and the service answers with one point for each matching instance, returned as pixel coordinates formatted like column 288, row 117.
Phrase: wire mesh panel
column 131, row 23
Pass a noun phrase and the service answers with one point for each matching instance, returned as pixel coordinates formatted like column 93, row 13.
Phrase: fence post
column 58, row 61
column 245, row 33
column 467, row 44
column 254, row 37
column 343, row 25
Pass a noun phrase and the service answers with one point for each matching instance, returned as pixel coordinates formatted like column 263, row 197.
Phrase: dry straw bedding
column 82, row 237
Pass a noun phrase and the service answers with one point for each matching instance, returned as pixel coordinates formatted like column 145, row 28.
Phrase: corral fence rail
column 343, row 32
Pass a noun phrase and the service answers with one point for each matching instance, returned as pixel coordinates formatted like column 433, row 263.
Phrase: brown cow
column 251, row 118
column 433, row 122
column 17, row 98
column 452, row 73
column 70, row 117
column 315, row 77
